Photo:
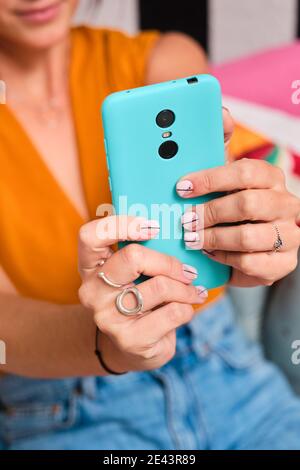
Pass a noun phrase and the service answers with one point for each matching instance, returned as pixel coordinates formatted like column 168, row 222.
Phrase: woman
column 54, row 392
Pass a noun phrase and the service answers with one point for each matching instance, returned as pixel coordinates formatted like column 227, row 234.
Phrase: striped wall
column 228, row 29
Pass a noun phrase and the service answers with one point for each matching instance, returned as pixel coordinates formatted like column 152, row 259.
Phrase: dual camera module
column 169, row 148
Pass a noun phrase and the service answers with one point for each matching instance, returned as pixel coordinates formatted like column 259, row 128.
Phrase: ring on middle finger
column 129, row 312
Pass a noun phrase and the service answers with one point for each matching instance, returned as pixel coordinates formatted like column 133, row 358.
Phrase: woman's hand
column 261, row 208
column 147, row 341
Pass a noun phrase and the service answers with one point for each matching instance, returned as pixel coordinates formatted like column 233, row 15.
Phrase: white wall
column 119, row 14
column 240, row 27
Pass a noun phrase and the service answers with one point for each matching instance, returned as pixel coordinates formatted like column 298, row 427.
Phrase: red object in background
column 296, row 168
column 260, row 153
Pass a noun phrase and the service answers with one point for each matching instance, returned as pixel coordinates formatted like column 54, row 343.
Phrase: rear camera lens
column 168, row 149
column 165, row 118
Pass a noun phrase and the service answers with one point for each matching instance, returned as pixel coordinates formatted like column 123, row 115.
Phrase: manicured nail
column 189, row 272
column 192, row 240
column 191, row 237
column 150, row 227
column 202, row 292
column 188, row 219
column 184, row 188
column 210, row 254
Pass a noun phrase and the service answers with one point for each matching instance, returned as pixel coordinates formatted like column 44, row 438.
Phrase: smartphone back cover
column 144, row 178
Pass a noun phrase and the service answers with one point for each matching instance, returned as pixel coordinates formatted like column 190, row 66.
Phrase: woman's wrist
column 110, row 359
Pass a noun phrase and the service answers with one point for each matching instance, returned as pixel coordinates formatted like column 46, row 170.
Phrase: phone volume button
column 106, row 154
column 109, row 183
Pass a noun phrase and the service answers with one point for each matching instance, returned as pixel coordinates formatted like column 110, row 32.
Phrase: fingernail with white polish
column 191, row 237
column 202, row 292
column 189, row 272
column 184, row 188
column 150, row 227
column 188, row 219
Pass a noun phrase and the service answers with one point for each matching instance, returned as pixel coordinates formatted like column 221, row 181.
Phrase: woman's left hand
column 261, row 211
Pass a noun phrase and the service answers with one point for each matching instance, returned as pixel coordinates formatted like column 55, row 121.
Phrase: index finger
column 97, row 236
column 134, row 260
column 239, row 175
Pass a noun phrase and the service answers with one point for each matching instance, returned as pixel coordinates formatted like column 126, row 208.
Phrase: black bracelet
column 100, row 358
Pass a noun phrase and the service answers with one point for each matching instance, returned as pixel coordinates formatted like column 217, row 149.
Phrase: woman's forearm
column 46, row 340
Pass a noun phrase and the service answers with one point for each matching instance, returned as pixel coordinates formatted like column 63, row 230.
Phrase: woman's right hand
column 147, row 341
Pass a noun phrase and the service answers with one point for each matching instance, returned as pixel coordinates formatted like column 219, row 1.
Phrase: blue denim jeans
column 217, row 393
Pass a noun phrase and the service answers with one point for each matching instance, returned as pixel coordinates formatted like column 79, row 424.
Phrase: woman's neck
column 38, row 75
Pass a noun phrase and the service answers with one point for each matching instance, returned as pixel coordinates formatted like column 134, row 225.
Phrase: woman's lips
column 40, row 15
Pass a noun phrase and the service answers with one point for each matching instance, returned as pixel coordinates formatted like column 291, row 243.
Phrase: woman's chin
column 40, row 31
column 41, row 40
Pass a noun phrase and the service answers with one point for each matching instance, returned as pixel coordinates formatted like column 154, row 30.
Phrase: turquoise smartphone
column 154, row 135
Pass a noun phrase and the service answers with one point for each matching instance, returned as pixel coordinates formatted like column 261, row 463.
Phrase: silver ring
column 137, row 310
column 278, row 244
column 107, row 281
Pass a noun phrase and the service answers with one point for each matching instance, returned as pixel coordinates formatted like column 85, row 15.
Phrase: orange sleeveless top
column 38, row 223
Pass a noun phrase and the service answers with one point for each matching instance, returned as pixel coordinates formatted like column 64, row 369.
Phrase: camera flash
column 166, row 135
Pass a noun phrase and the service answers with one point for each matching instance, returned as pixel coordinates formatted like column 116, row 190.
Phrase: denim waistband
column 206, row 329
